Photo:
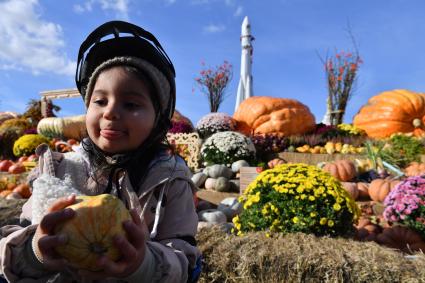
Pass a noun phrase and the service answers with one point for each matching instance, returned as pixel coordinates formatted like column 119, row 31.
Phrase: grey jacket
column 169, row 255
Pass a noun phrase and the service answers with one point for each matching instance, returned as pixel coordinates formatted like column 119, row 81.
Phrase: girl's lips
column 111, row 134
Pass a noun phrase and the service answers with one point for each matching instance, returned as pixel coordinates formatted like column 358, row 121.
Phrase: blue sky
column 39, row 41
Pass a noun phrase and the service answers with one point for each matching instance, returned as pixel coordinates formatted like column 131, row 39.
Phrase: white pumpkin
column 213, row 216
column 219, row 170
column 199, row 179
column 236, row 166
column 222, row 184
column 230, row 207
column 210, row 183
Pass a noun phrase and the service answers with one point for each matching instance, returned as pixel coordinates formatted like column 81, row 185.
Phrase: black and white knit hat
column 158, row 80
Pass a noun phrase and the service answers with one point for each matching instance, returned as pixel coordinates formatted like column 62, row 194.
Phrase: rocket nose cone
column 245, row 21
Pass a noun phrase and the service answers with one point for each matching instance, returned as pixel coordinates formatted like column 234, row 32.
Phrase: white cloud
column 30, row 43
column 239, row 11
column 118, row 6
column 211, row 28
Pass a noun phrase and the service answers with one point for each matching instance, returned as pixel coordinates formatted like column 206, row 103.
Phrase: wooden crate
column 247, row 175
column 214, row 197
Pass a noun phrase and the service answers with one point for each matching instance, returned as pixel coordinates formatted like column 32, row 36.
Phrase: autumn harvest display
column 270, row 171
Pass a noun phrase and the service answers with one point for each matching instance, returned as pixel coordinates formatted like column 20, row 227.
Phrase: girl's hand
column 45, row 240
column 132, row 252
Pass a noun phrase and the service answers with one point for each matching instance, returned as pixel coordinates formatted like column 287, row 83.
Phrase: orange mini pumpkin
column 23, row 190
column 415, row 169
column 392, row 112
column 271, row 115
column 90, row 232
column 343, row 170
column 380, row 188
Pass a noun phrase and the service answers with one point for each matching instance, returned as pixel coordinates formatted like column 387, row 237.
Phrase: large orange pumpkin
column 396, row 111
column 402, row 238
column 271, row 115
column 90, row 232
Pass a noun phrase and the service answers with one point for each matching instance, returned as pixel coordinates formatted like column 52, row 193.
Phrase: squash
column 210, row 183
column 199, row 179
column 90, row 232
column 271, row 115
column 415, row 169
column 380, row 188
column 351, row 189
column 392, row 112
column 73, row 127
column 363, row 190
column 219, row 170
column 402, row 238
column 343, row 170
column 17, row 168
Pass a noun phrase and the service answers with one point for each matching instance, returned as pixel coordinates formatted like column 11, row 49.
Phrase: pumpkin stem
column 417, row 123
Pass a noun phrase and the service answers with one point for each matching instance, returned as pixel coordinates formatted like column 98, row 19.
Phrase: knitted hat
column 158, row 80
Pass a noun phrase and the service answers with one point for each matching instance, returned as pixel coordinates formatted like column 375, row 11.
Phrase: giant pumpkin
column 271, row 115
column 396, row 111
column 90, row 232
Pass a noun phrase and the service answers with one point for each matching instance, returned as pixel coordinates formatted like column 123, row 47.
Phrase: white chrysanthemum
column 227, row 147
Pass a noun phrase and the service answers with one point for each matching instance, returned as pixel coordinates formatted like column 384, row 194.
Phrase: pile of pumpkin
column 13, row 188
column 372, row 226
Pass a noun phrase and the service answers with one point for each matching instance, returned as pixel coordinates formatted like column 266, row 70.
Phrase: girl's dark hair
column 135, row 162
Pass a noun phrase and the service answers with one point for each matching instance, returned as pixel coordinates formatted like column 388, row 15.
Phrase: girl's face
column 120, row 115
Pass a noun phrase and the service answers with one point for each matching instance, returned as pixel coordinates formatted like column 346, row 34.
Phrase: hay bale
column 302, row 258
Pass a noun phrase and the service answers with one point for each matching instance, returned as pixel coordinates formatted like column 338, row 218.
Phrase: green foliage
column 400, row 150
column 27, row 144
column 296, row 198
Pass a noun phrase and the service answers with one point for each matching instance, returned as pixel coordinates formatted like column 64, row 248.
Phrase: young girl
column 127, row 83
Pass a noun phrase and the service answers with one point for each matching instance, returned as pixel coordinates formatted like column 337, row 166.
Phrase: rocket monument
column 245, row 82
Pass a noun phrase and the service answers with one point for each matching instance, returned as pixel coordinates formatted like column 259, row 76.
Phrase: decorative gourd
column 380, row 188
column 222, row 184
column 73, row 127
column 90, row 232
column 415, row 169
column 13, row 195
column 271, row 115
column 351, row 188
column 213, row 216
column 343, row 170
column 392, row 112
column 402, row 238
column 366, row 230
